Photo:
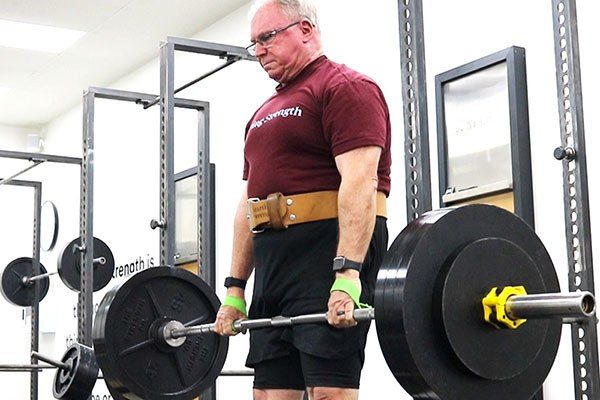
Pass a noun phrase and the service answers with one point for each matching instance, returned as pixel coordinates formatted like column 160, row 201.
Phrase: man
column 317, row 165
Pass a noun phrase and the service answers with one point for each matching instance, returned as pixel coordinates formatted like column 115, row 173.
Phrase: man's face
column 281, row 56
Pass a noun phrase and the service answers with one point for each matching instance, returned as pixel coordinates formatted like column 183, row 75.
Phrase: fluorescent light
column 37, row 37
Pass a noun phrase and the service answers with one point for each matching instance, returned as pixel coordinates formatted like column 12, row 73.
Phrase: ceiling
column 121, row 36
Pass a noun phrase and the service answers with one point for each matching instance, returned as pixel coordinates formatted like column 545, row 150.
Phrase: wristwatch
column 235, row 282
column 341, row 262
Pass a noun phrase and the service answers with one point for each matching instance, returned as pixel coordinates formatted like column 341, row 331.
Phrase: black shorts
column 300, row 370
column 293, row 275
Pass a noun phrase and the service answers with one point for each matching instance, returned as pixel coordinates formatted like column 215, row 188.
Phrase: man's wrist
column 236, row 291
column 231, row 281
column 342, row 263
column 348, row 274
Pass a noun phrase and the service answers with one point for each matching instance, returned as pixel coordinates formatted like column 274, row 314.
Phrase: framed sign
column 483, row 133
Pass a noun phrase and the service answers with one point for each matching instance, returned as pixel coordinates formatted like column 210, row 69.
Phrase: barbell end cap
column 166, row 333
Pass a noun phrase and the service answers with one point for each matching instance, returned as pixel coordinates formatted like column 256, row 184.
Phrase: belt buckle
column 255, row 200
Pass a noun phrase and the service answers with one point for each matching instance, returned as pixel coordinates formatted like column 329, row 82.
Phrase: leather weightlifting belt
column 278, row 211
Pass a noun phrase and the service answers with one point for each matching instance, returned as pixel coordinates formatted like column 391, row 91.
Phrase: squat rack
column 205, row 180
column 36, row 159
column 85, row 307
column 206, row 240
column 571, row 152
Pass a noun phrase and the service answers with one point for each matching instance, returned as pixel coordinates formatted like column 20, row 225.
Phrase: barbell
column 19, row 278
column 447, row 296
column 467, row 306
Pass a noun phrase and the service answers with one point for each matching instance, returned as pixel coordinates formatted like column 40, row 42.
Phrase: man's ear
column 308, row 30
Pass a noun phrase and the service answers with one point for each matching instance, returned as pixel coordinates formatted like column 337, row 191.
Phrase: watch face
column 338, row 263
column 49, row 226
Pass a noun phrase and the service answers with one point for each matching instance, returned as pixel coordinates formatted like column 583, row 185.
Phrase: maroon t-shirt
column 327, row 110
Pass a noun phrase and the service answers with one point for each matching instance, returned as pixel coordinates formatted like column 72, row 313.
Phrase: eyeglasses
column 267, row 38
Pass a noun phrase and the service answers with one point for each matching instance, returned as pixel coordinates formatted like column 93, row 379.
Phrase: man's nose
column 260, row 50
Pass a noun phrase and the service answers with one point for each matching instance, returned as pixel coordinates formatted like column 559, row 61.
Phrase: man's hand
column 230, row 311
column 341, row 308
column 225, row 318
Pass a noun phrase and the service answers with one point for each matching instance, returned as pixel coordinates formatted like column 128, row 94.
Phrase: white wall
column 362, row 36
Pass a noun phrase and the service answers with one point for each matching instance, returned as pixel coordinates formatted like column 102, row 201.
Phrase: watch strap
column 230, row 281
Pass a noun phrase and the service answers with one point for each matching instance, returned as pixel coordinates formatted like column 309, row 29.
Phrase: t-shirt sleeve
column 355, row 115
column 246, row 164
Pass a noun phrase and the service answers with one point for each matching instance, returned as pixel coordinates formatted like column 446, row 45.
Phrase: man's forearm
column 241, row 258
column 356, row 215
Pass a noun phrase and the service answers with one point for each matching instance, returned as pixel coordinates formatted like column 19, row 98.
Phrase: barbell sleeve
column 30, row 279
column 571, row 306
column 57, row 364
column 100, row 260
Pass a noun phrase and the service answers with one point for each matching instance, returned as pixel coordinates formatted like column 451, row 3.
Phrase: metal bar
column 360, row 315
column 205, row 205
column 18, row 182
column 10, row 178
column 414, row 98
column 519, row 135
column 576, row 305
column 85, row 307
column 584, row 337
column 23, row 367
column 30, row 279
column 57, row 364
column 167, row 181
column 38, row 156
column 237, row 372
column 209, row 48
column 141, row 98
column 35, row 308
column 193, row 82
column 210, row 271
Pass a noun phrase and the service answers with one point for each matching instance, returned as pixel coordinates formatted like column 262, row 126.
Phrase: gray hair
column 293, row 9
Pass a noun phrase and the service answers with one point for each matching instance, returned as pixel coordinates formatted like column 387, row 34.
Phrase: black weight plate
column 78, row 381
column 409, row 316
column 138, row 366
column 484, row 264
column 69, row 265
column 13, row 288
